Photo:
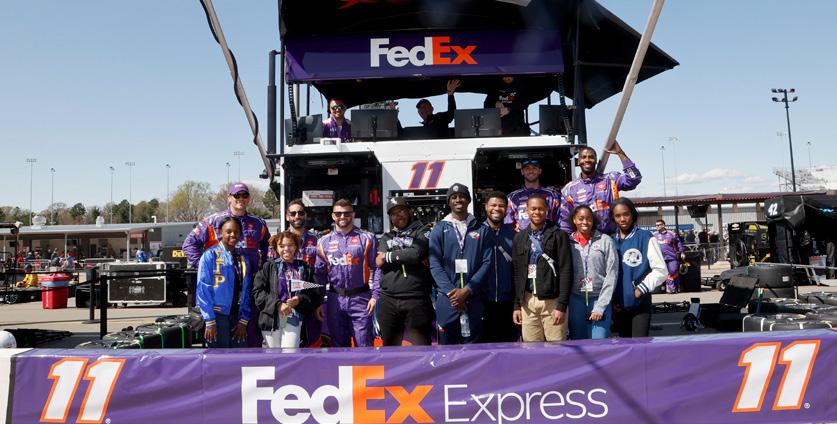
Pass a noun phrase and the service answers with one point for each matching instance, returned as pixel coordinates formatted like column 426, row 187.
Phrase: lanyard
column 585, row 263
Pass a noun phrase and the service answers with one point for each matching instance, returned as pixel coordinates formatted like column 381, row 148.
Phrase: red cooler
column 55, row 291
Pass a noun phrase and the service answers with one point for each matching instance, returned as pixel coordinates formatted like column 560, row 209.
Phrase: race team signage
column 739, row 378
column 423, row 54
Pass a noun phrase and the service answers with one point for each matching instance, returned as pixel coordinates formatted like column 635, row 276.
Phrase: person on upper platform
column 337, row 126
column 595, row 189
column 516, row 212
column 510, row 98
column 438, row 122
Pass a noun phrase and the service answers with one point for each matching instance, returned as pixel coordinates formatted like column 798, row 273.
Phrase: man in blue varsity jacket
column 460, row 259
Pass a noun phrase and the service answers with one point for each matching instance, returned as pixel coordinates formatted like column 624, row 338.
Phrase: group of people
column 544, row 265
column 509, row 97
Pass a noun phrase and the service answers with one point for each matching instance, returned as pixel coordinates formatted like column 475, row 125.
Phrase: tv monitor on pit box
column 374, row 124
column 471, row 123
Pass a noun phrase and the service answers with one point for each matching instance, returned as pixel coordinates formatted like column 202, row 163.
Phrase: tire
column 96, row 344
column 781, row 322
column 780, row 306
column 721, row 285
column 825, row 298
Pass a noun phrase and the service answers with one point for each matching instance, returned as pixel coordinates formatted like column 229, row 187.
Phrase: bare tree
column 191, row 201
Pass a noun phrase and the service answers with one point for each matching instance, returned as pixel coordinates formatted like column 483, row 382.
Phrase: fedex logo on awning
column 434, row 51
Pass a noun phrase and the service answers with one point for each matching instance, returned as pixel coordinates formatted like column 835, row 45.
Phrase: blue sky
column 90, row 84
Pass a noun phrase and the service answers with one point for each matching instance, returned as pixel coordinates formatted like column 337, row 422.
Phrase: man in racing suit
column 346, row 262
column 516, row 211
column 597, row 190
column 672, row 250
column 253, row 244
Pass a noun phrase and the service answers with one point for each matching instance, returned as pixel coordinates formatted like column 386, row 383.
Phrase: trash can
column 55, row 290
column 690, row 281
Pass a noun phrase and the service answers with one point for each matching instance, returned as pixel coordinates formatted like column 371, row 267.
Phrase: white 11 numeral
column 760, row 359
column 67, row 374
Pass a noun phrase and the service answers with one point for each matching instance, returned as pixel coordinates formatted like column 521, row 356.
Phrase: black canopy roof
column 593, row 38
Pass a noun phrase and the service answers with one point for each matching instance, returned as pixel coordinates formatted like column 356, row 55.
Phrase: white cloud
column 710, row 175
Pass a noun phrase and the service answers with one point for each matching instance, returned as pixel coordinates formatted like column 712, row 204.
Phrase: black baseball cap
column 397, row 202
column 421, row 102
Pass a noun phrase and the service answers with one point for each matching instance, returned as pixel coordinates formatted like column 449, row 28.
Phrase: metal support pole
column 92, row 277
column 271, row 102
column 103, row 305
column 282, row 99
column 790, row 141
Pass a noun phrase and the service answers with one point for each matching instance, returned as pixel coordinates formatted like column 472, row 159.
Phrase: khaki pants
column 537, row 320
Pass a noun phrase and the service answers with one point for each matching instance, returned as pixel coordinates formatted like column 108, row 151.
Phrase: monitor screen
column 552, row 119
column 477, row 123
column 374, row 124
column 308, row 128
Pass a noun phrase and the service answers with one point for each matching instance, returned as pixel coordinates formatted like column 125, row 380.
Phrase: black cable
column 236, row 79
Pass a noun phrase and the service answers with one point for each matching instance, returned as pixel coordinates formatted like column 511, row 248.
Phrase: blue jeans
column 225, row 328
column 580, row 326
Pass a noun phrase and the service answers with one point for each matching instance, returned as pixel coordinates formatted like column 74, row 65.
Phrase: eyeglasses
column 338, row 107
column 241, row 195
column 343, row 213
column 296, row 213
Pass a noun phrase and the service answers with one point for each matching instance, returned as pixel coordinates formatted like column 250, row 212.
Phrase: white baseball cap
column 7, row 340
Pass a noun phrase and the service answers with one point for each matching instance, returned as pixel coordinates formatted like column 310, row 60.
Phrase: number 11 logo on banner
column 760, row 359
column 67, row 374
column 420, row 168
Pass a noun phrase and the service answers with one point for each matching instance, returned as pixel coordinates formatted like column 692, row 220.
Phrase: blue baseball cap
column 526, row 162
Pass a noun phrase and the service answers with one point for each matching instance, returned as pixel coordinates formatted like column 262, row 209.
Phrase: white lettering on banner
column 434, row 51
column 291, row 404
column 514, row 407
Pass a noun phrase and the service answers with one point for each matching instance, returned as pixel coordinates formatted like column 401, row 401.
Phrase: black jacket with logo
column 548, row 284
column 405, row 272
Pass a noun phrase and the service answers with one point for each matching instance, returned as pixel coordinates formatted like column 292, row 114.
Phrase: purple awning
column 424, row 54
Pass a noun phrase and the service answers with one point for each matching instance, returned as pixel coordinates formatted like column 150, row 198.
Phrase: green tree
column 120, row 211
column 271, row 203
column 77, row 212
column 191, row 201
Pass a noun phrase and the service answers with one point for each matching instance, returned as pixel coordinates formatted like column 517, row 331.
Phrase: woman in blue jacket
column 642, row 270
column 223, row 289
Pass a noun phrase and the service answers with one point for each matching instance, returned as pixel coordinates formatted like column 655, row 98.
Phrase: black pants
column 412, row 315
column 497, row 323
column 635, row 322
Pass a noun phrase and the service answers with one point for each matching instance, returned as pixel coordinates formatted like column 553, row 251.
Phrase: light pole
column 674, row 141
column 111, row 193
column 663, row 155
column 168, row 197
column 228, row 173
column 31, row 162
column 52, row 196
column 810, row 163
column 781, row 136
column 239, row 155
column 130, row 166
column 784, row 99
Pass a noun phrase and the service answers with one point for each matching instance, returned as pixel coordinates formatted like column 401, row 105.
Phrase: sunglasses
column 343, row 213
column 241, row 195
column 296, row 213
column 338, row 107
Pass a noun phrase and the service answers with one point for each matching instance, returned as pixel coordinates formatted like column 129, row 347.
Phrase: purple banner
column 423, row 54
column 739, row 378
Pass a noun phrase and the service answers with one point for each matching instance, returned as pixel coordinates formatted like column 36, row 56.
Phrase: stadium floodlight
column 784, row 99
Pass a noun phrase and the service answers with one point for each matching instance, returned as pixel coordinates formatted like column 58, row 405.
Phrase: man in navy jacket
column 460, row 260
column 499, row 306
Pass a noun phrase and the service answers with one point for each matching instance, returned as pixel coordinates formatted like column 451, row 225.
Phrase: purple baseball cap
column 238, row 188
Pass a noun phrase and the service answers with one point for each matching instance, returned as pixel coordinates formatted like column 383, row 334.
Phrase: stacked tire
column 826, row 309
column 780, row 305
column 782, row 322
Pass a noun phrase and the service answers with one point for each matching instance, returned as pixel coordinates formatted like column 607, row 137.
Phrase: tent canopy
column 584, row 35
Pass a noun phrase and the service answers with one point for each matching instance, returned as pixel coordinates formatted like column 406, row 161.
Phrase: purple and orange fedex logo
column 435, row 51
